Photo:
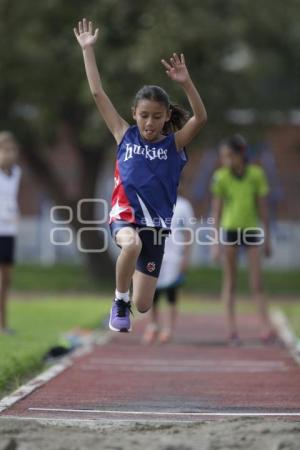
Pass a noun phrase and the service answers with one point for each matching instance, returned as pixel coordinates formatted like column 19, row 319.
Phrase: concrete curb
column 286, row 334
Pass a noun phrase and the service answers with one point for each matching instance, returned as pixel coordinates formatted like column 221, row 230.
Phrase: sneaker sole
column 121, row 330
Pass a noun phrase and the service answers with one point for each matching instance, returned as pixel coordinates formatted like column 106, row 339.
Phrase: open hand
column 85, row 35
column 177, row 69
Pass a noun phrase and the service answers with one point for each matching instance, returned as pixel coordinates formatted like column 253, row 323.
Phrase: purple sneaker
column 120, row 316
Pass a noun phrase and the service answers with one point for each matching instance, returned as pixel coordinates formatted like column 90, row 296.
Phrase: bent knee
column 143, row 304
column 131, row 244
column 133, row 249
column 143, row 309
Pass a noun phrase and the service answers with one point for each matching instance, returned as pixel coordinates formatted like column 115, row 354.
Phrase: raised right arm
column 115, row 123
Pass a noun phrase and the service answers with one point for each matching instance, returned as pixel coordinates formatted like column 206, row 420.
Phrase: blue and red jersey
column 146, row 180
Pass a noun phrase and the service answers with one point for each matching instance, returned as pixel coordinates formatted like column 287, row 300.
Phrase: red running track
column 195, row 377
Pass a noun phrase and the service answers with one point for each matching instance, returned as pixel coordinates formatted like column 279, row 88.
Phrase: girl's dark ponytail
column 179, row 117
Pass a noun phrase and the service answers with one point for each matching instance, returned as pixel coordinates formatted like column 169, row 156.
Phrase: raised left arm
column 178, row 71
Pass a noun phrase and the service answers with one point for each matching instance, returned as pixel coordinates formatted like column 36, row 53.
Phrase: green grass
column 277, row 282
column 203, row 280
column 57, row 278
column 38, row 325
column 292, row 311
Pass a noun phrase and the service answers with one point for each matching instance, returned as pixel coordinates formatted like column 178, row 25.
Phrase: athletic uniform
column 146, row 180
column 9, row 213
column 239, row 195
column 171, row 276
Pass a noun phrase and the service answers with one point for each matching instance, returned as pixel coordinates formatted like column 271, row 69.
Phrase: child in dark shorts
column 10, row 174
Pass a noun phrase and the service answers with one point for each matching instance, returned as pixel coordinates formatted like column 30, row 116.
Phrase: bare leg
column 131, row 246
column 154, row 310
column 168, row 330
column 172, row 295
column 152, row 328
column 256, row 285
column 143, row 291
column 228, row 287
column 5, row 271
column 173, row 317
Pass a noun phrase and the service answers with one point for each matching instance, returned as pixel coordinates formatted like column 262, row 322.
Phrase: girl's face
column 150, row 117
column 8, row 154
column 237, row 161
column 225, row 154
column 230, row 159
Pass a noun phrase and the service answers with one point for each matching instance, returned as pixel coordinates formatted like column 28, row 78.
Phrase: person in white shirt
column 175, row 264
column 10, row 174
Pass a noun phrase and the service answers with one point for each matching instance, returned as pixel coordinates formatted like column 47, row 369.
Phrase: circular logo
column 150, row 266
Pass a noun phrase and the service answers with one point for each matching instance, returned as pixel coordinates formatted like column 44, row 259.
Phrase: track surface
column 196, row 377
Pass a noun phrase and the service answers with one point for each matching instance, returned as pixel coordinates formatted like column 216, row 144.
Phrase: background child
column 175, row 264
column 10, row 174
column 150, row 159
column 239, row 201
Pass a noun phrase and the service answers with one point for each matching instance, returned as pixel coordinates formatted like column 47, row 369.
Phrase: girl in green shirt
column 241, row 215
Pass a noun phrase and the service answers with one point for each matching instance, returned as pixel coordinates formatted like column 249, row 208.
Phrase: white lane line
column 185, row 365
column 43, row 378
column 186, row 362
column 165, row 413
column 286, row 334
column 179, row 369
column 90, row 421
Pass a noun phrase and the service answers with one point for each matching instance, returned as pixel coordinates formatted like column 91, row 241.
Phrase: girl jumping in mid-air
column 150, row 159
